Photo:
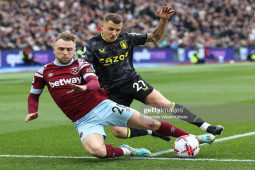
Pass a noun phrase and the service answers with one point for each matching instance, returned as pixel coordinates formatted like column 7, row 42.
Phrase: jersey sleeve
column 86, row 69
column 38, row 82
column 87, row 53
column 89, row 75
column 138, row 39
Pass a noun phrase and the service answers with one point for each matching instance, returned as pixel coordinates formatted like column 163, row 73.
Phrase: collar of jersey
column 105, row 39
column 59, row 64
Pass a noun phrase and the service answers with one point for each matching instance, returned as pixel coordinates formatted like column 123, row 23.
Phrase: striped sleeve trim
column 42, row 69
column 36, row 91
column 84, row 65
column 88, row 74
column 38, row 75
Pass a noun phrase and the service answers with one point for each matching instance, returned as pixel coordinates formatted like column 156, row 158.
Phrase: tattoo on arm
column 158, row 32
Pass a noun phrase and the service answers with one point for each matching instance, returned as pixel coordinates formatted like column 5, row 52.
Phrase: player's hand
column 77, row 88
column 31, row 116
column 166, row 12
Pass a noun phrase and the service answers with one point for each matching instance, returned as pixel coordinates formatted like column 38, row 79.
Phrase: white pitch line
column 148, row 158
column 43, row 156
column 217, row 140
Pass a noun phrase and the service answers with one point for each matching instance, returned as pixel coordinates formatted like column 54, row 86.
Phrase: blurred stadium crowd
column 196, row 23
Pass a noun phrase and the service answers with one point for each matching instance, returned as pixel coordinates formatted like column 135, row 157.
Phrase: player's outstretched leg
column 139, row 120
column 164, row 128
column 186, row 115
column 170, row 130
column 190, row 117
column 156, row 99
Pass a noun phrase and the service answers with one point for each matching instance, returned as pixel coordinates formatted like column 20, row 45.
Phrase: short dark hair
column 115, row 18
column 67, row 36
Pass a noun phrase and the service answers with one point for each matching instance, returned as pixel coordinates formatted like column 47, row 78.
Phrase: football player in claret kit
column 74, row 87
column 111, row 54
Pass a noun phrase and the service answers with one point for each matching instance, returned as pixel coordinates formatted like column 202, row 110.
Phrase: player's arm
column 33, row 101
column 33, row 98
column 165, row 13
column 89, row 76
column 87, row 53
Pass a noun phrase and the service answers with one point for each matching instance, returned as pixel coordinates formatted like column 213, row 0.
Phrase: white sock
column 204, row 126
column 149, row 132
column 126, row 151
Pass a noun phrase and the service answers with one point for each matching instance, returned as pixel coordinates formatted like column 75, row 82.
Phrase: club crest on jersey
column 75, row 70
column 123, row 45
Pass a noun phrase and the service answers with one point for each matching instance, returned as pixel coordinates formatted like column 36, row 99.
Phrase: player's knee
column 154, row 125
column 119, row 133
column 97, row 151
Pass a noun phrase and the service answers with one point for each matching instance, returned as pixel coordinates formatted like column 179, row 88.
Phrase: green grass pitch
column 222, row 94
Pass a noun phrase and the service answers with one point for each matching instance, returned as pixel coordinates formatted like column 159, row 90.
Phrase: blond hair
column 67, row 36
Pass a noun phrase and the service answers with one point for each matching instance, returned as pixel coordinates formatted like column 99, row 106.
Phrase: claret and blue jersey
column 57, row 76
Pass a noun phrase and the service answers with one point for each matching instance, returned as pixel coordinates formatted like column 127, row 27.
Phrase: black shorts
column 125, row 93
